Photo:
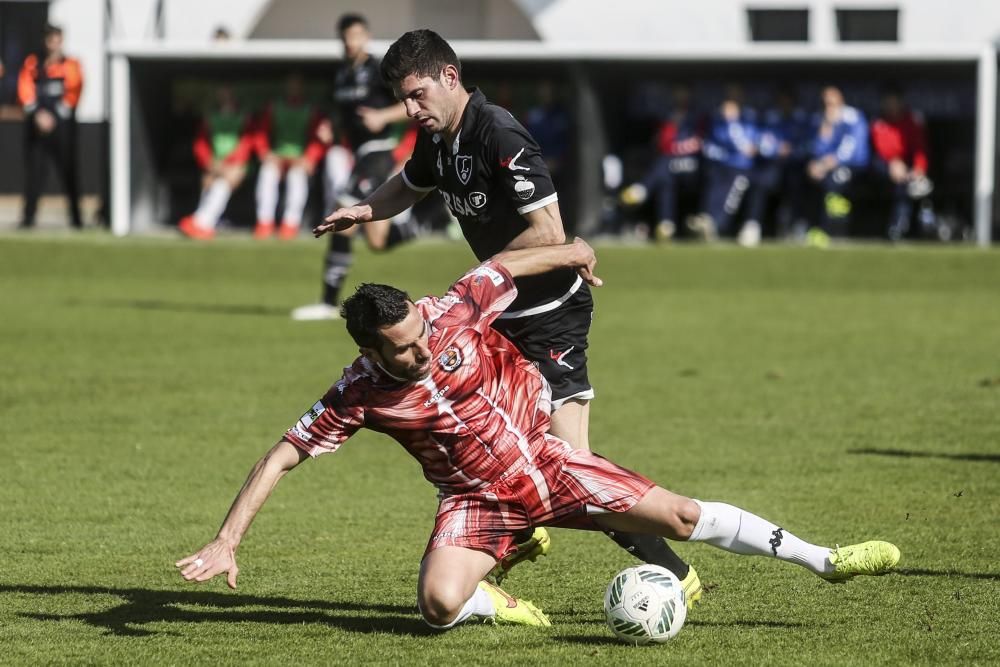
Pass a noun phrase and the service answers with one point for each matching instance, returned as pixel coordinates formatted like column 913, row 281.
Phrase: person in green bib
column 288, row 147
column 222, row 149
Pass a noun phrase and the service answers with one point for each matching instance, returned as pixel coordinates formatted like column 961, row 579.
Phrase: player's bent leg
column 451, row 591
column 449, row 579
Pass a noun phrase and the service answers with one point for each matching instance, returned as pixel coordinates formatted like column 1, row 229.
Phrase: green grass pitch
column 846, row 395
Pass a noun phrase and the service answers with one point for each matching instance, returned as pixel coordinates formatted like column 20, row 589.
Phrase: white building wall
column 628, row 23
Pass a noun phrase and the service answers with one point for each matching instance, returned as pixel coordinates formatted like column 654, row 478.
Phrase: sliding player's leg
column 741, row 532
column 557, row 342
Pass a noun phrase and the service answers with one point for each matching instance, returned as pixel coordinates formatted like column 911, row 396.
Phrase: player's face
column 430, row 101
column 355, row 41
column 404, row 351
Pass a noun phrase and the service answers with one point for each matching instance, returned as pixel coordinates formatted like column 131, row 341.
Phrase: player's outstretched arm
column 219, row 555
column 532, row 261
column 390, row 199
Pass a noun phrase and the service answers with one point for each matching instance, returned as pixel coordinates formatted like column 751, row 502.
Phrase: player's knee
column 686, row 516
column 440, row 605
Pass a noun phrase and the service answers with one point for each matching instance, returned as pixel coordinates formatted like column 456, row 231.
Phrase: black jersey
column 491, row 175
column 360, row 86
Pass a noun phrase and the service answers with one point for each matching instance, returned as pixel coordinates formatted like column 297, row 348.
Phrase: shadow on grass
column 912, row 454
column 609, row 640
column 185, row 307
column 142, row 606
column 920, row 572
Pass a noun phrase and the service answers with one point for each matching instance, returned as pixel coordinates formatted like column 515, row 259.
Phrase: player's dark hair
column 371, row 307
column 420, row 53
column 349, row 21
column 50, row 30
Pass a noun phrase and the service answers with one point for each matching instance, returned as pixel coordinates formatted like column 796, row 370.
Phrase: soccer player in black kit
column 491, row 175
column 364, row 111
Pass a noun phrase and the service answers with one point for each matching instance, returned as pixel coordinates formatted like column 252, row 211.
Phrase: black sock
column 336, row 266
column 400, row 233
column 522, row 536
column 651, row 549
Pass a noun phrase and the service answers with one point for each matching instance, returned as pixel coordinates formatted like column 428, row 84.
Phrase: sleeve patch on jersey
column 300, row 434
column 495, row 276
column 312, row 415
column 524, row 188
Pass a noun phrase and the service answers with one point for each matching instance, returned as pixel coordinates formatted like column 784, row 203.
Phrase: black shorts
column 370, row 171
column 556, row 341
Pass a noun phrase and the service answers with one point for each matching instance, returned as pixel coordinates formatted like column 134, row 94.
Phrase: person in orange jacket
column 49, row 88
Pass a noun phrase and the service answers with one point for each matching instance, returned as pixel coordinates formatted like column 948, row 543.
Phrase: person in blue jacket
column 729, row 149
column 779, row 170
column 675, row 171
column 839, row 153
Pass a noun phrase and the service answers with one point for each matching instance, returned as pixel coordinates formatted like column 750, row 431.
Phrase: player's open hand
column 587, row 262
column 214, row 558
column 343, row 219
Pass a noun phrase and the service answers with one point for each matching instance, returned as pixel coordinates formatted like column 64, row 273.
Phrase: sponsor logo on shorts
column 449, row 360
column 560, row 357
column 477, row 199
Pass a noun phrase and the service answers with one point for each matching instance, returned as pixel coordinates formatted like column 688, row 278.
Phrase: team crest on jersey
column 477, row 199
column 450, row 359
column 463, row 167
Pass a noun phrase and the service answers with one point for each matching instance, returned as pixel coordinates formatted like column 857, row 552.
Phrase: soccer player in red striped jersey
column 474, row 412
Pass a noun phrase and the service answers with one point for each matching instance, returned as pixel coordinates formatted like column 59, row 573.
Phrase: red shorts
column 565, row 490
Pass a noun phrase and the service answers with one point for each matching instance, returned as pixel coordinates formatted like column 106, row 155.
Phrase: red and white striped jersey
column 481, row 413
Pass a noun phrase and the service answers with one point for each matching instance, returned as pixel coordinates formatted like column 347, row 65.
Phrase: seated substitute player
column 838, row 154
column 287, row 146
column 222, row 150
column 458, row 396
column 493, row 178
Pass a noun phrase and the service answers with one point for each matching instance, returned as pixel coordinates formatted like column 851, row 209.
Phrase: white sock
column 296, row 193
column 741, row 532
column 268, row 179
column 213, row 204
column 336, row 174
column 480, row 604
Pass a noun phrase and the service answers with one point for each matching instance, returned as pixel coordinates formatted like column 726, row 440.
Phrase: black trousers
column 60, row 146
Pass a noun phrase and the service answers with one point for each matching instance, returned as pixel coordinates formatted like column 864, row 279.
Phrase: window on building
column 868, row 25
column 778, row 25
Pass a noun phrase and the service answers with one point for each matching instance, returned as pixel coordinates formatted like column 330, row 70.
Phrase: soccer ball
column 645, row 604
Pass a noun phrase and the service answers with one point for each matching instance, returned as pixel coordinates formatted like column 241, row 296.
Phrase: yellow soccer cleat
column 510, row 610
column 692, row 588
column 867, row 558
column 537, row 545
